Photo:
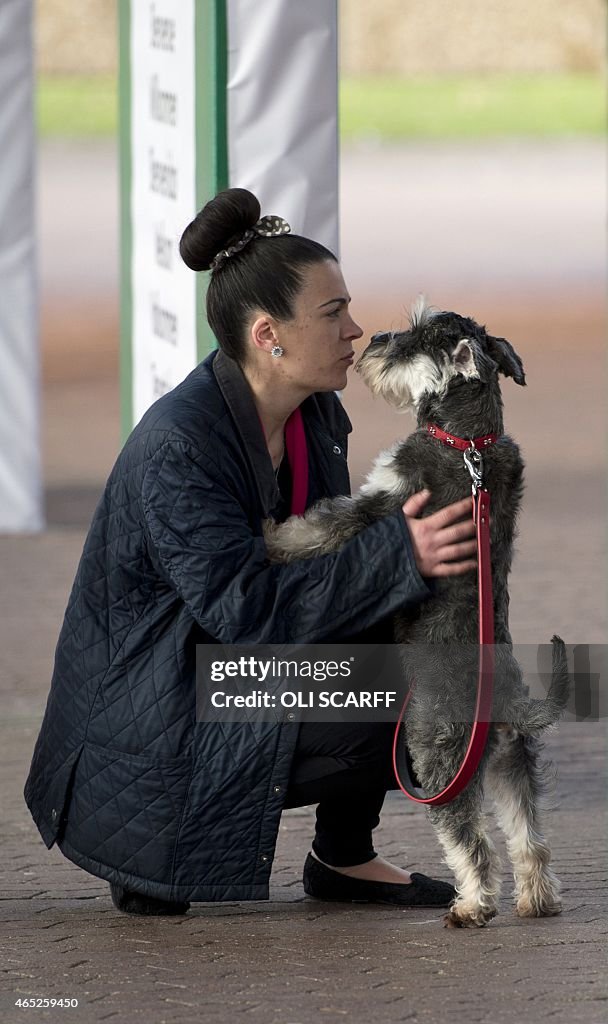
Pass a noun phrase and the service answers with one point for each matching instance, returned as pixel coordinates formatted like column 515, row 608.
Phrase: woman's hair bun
column 220, row 223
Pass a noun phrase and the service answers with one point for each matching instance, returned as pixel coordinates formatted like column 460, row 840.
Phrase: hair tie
column 266, row 227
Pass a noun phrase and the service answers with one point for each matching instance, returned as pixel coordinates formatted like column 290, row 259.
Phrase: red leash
column 481, row 724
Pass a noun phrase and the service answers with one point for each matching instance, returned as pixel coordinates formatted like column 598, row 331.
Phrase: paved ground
column 294, row 960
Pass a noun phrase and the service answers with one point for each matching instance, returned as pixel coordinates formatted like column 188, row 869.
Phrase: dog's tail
column 537, row 715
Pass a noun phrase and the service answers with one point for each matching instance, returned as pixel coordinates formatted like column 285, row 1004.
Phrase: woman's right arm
column 202, row 538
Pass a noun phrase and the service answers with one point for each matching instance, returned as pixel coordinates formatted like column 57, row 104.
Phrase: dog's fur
column 445, row 368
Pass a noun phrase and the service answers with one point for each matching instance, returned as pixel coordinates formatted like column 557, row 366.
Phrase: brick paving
column 293, row 960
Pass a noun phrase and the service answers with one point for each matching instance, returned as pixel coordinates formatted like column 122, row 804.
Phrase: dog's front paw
column 270, row 531
column 466, row 916
column 297, row 538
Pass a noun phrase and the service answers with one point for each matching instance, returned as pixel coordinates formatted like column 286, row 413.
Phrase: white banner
column 20, row 474
column 281, row 141
column 162, row 196
column 282, row 110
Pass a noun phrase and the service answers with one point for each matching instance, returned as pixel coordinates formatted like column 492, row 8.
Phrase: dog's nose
column 380, row 338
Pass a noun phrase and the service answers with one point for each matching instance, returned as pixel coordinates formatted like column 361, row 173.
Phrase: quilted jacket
column 123, row 778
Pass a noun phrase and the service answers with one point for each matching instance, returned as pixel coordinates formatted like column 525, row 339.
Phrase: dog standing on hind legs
column 445, row 369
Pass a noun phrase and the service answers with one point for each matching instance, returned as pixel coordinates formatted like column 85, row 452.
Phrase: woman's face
column 318, row 343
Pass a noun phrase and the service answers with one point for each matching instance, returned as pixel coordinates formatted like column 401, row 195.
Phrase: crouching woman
column 124, row 779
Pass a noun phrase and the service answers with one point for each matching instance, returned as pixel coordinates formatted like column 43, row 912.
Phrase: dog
column 445, row 369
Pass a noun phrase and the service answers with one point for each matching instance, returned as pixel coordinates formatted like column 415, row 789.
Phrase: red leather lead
column 485, row 682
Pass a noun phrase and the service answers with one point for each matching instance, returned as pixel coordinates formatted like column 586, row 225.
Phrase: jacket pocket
column 125, row 809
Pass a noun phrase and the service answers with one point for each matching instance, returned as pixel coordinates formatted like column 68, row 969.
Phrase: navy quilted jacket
column 123, row 778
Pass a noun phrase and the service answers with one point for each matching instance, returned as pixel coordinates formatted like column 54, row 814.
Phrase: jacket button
column 54, row 815
column 337, row 450
column 290, row 717
column 264, row 858
column 277, row 789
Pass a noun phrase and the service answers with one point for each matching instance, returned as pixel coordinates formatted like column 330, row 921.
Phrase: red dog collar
column 460, row 442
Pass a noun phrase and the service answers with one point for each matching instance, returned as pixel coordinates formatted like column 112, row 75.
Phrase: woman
column 123, row 778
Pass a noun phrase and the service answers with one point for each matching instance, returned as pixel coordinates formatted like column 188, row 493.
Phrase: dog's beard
column 404, row 384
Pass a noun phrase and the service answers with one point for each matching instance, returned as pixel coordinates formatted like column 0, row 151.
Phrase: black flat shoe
column 135, row 903
column 326, row 884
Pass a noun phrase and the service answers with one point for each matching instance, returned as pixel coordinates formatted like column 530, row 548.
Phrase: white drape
column 282, row 110
column 20, row 473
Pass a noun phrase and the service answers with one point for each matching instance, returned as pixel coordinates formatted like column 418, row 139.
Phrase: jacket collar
column 239, row 399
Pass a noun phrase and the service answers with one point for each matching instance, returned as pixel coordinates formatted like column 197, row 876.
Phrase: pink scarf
column 297, row 453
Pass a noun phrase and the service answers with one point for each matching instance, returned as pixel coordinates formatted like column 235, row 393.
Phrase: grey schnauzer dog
column 445, row 369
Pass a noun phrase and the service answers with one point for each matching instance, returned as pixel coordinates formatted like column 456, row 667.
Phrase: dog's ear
column 469, row 359
column 507, row 359
column 463, row 358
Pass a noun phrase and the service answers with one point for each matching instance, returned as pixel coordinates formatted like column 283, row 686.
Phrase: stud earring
column 276, row 351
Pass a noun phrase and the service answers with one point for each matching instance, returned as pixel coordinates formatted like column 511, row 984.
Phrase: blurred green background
column 382, row 108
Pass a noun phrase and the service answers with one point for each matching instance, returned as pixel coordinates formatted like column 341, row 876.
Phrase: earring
column 276, row 351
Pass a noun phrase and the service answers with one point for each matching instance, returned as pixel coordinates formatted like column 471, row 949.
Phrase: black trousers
column 345, row 768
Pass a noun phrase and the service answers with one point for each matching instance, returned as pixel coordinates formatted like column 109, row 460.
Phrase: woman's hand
column 443, row 544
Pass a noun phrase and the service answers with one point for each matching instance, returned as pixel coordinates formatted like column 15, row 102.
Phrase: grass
column 539, row 106
column 383, row 109
column 77, row 106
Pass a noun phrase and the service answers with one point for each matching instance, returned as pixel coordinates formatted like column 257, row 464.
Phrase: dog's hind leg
column 471, row 855
column 517, row 779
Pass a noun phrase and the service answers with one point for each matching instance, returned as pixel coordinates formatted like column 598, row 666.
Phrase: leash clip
column 474, row 463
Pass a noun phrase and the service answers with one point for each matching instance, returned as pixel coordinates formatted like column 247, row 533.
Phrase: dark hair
column 265, row 274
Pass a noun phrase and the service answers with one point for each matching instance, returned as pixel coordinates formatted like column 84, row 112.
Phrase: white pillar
column 20, row 473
